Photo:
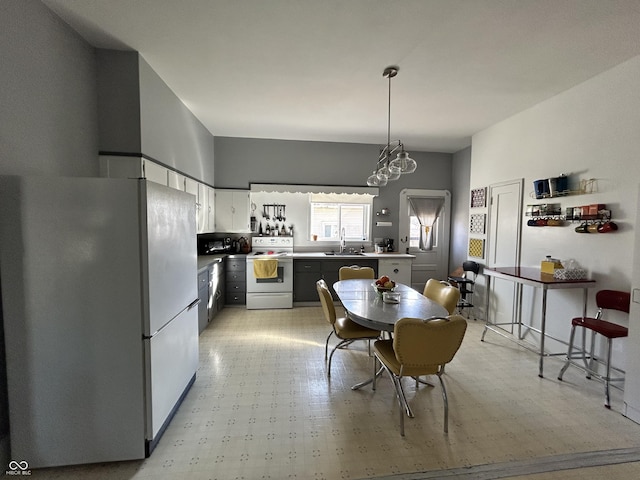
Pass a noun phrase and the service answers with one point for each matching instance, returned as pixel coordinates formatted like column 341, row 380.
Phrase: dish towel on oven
column 265, row 268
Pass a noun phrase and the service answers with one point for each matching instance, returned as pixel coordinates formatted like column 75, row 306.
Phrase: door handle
column 193, row 304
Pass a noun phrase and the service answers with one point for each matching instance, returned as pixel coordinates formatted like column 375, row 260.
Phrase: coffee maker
column 388, row 244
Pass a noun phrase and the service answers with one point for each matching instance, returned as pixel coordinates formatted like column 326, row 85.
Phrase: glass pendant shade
column 386, row 170
column 383, row 172
column 393, row 175
column 404, row 163
column 373, row 181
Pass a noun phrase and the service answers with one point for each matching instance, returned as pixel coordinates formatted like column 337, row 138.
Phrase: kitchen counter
column 320, row 255
column 205, row 260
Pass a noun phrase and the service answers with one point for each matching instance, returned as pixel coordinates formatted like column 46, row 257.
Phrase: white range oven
column 264, row 293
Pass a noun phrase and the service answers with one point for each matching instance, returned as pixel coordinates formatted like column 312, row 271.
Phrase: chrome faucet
column 343, row 240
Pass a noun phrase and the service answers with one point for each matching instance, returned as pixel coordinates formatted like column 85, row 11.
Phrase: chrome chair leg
column 326, row 346
column 376, row 373
column 400, row 410
column 375, row 376
column 607, row 379
column 424, row 382
column 592, row 357
column 342, row 344
column 446, row 404
column 402, row 401
column 402, row 398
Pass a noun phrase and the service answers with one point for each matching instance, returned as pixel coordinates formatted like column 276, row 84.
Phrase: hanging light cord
column 389, row 116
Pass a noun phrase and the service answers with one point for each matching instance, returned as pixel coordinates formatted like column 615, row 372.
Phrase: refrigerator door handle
column 194, row 304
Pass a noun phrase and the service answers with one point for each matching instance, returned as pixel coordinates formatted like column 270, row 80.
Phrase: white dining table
column 366, row 307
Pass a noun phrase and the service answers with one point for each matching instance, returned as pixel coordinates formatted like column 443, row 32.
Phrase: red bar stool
column 605, row 300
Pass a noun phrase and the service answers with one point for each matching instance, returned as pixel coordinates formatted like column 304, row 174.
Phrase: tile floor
column 262, row 407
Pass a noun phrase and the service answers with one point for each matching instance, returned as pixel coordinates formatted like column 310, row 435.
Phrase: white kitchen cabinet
column 202, row 210
column 397, row 269
column 200, row 191
column 114, row 166
column 176, row 180
column 232, row 211
column 210, row 209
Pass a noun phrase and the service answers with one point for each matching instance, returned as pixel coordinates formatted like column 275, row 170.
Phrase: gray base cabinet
column 308, row 272
column 211, row 286
column 217, row 288
column 236, row 281
column 203, row 296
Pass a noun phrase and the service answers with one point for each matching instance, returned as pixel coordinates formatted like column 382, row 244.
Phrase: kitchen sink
column 342, row 254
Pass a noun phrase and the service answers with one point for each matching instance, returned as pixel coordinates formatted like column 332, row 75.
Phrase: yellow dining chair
column 442, row 293
column 344, row 328
column 356, row 271
column 419, row 347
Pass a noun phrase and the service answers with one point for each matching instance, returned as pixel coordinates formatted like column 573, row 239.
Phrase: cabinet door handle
column 395, row 270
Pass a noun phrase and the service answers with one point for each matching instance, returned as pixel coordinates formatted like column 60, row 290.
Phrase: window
column 424, row 211
column 414, row 232
column 328, row 219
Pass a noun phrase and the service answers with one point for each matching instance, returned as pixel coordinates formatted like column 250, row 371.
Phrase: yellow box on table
column 550, row 266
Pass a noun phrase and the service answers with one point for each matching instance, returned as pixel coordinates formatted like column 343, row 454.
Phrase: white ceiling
column 312, row 69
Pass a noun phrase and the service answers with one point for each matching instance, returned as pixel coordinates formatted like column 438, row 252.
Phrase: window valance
column 318, row 190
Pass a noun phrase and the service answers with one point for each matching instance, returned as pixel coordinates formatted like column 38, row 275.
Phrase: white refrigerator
column 99, row 295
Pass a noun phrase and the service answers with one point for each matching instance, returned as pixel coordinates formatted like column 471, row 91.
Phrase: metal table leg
column 543, row 330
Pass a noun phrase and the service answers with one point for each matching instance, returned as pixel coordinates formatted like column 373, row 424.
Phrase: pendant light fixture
column 386, row 169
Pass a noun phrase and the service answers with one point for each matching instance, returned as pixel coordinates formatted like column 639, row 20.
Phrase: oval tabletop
column 365, row 306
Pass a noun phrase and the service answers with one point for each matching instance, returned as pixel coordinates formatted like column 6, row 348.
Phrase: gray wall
column 48, row 123
column 170, row 132
column 241, row 161
column 48, row 120
column 461, row 172
column 139, row 114
column 119, row 101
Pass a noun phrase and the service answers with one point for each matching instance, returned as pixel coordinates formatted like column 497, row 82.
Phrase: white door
column 505, row 225
column 433, row 263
